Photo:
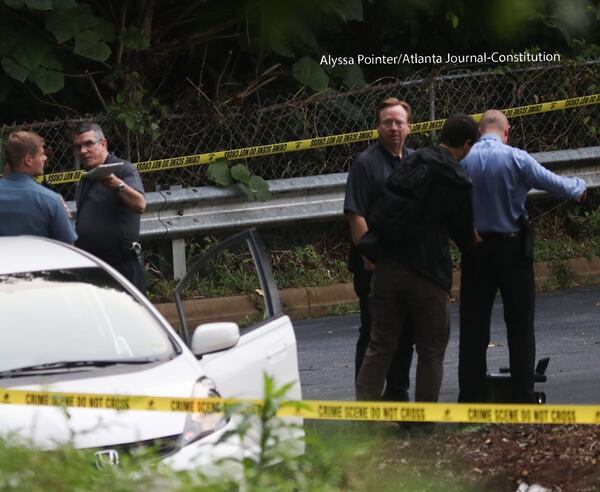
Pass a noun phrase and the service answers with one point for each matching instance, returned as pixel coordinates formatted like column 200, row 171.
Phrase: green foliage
column 30, row 4
column 453, row 19
column 31, row 59
column 90, row 45
column 289, row 27
column 230, row 273
column 212, row 44
column 223, row 173
column 220, row 173
column 135, row 39
column 344, row 309
column 14, row 69
column 339, row 456
column 63, row 25
column 30, row 55
column 233, row 273
column 309, row 72
column 563, row 276
column 138, row 111
column 240, row 173
column 352, row 76
column 256, row 188
column 304, row 266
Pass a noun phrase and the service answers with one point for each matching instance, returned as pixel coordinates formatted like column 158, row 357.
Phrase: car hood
column 49, row 427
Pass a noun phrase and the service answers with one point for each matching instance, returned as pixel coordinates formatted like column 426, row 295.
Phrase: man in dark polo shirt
column 368, row 173
column 109, row 209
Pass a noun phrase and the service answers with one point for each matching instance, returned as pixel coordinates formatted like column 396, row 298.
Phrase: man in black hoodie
column 425, row 201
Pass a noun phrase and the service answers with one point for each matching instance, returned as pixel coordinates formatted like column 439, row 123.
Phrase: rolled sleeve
column 538, row 177
column 132, row 178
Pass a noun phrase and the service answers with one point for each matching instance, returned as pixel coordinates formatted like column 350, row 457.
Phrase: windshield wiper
column 73, row 364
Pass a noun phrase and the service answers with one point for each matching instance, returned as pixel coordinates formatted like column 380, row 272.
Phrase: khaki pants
column 397, row 294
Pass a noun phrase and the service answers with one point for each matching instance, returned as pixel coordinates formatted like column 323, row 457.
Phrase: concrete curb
column 306, row 302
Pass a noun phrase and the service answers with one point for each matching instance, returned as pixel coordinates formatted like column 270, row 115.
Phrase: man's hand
column 358, row 226
column 581, row 197
column 111, row 181
column 132, row 198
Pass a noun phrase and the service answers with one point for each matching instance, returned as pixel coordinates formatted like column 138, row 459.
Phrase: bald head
column 494, row 121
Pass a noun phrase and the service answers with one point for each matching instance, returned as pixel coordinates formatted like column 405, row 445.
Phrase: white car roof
column 33, row 253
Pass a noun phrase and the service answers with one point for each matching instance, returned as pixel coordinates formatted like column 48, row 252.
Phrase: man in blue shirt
column 26, row 207
column 502, row 175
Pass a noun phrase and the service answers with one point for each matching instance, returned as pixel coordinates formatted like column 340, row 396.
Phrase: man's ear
column 27, row 160
column 466, row 148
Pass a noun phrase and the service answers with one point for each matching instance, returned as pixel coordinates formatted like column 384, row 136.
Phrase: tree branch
column 120, row 43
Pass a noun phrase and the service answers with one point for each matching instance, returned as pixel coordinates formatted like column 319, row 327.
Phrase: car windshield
column 81, row 314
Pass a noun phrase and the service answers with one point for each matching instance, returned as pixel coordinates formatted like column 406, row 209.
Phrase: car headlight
column 200, row 424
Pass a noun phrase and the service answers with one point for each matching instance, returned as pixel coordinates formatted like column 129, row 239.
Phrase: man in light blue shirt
column 26, row 207
column 502, row 175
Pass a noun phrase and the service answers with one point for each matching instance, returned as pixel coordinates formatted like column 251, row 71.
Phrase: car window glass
column 79, row 314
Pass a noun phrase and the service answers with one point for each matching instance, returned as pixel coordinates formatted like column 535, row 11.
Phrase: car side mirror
column 214, row 337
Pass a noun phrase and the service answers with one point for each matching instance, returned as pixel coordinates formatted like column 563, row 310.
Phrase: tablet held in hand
column 102, row 171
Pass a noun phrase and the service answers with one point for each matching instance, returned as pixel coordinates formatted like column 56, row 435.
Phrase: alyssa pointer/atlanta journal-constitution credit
column 417, row 59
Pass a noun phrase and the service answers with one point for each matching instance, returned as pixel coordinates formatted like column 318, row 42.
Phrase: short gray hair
column 87, row 126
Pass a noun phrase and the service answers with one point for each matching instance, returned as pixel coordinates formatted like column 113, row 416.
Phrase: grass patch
column 379, row 457
column 344, row 309
column 340, row 456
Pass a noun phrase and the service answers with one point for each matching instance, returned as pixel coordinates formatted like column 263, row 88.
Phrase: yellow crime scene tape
column 322, row 410
column 318, row 142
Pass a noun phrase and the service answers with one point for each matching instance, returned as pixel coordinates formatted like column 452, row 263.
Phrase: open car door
column 267, row 343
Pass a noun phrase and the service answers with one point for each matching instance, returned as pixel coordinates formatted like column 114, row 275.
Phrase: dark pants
column 398, row 377
column 133, row 271
column 497, row 263
column 400, row 295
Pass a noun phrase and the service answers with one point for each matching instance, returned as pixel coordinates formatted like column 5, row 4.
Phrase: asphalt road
column 567, row 330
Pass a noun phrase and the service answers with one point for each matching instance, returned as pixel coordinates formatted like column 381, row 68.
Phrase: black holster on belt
column 136, row 251
column 526, row 237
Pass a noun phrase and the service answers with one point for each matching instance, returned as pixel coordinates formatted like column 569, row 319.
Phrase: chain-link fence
column 432, row 95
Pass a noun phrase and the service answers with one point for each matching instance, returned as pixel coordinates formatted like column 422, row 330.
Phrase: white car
column 72, row 324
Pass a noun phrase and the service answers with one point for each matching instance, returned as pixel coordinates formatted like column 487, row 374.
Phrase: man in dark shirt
column 109, row 209
column 413, row 274
column 367, row 174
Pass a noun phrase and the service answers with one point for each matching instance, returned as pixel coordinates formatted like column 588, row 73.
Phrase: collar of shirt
column 490, row 136
column 18, row 176
column 389, row 155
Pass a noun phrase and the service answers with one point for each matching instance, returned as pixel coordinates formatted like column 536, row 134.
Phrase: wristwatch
column 121, row 186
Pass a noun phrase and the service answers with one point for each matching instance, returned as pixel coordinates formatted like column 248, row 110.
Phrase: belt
column 499, row 235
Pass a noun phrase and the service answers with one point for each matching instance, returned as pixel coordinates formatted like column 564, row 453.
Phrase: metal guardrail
column 178, row 213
